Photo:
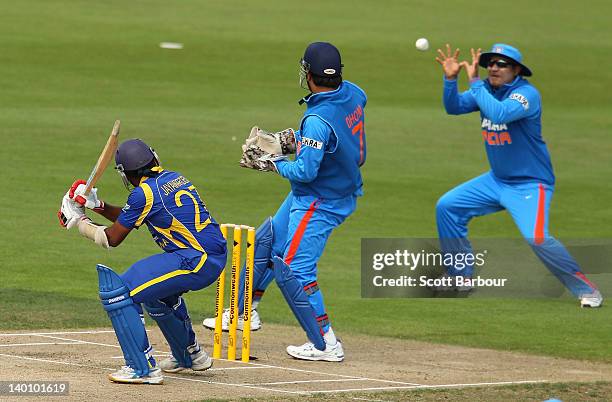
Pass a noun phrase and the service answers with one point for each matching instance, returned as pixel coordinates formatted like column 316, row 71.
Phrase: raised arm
column 454, row 102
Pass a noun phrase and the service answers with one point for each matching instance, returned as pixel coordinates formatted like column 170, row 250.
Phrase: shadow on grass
column 28, row 309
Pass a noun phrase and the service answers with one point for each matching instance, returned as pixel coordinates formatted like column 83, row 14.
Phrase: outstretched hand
column 472, row 68
column 449, row 62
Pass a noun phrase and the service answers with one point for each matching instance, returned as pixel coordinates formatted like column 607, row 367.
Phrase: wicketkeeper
column 521, row 179
column 325, row 180
column 194, row 256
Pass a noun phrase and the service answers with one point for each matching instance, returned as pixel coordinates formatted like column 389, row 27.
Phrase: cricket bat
column 105, row 157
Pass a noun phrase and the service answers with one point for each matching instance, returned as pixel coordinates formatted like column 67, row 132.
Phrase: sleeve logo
column 126, row 208
column 309, row 142
column 522, row 100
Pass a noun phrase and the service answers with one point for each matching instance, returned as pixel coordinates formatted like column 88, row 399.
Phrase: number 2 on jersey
column 177, row 199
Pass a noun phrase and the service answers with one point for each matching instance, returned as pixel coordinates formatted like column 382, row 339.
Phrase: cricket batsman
column 521, row 179
column 325, row 180
column 194, row 254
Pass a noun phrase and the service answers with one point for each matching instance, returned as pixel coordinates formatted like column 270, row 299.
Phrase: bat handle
column 88, row 188
column 89, row 185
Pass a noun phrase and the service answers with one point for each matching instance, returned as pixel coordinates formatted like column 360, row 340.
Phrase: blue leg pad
column 172, row 318
column 126, row 319
column 296, row 297
column 262, row 266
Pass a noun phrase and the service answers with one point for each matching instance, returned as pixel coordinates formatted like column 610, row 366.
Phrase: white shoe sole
column 174, row 370
column 313, row 358
column 137, row 380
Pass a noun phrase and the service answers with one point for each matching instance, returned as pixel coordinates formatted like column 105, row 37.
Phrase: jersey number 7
column 358, row 128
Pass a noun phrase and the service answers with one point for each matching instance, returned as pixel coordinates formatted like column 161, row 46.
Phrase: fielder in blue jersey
column 325, row 180
column 194, row 254
column 521, row 179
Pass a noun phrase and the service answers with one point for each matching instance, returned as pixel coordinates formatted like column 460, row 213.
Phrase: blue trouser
column 164, row 277
column 301, row 227
column 527, row 203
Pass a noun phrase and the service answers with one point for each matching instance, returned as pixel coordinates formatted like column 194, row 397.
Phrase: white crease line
column 427, row 386
column 239, row 368
column 391, row 381
column 58, row 333
column 56, row 362
column 336, row 375
column 166, row 376
column 476, row 384
column 39, row 343
column 80, row 341
column 238, row 385
column 160, row 353
column 308, row 381
column 291, row 369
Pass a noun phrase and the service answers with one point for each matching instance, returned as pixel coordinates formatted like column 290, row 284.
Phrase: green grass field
column 70, row 68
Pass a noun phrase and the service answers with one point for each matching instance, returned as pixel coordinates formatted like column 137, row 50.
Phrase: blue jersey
column 175, row 214
column 331, row 145
column 511, row 122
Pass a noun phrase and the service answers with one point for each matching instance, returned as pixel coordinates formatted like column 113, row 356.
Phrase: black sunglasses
column 499, row 63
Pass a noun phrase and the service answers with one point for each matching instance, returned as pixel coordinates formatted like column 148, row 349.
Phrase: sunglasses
column 499, row 63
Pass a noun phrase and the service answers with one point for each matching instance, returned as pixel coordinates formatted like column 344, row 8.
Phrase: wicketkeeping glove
column 280, row 143
column 250, row 153
column 267, row 162
column 256, row 158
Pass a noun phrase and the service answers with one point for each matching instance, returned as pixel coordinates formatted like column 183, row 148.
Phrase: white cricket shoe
column 255, row 321
column 332, row 353
column 127, row 375
column 594, row 299
column 199, row 362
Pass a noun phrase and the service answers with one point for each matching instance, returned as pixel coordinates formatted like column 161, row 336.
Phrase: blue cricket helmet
column 134, row 154
column 322, row 59
column 508, row 52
